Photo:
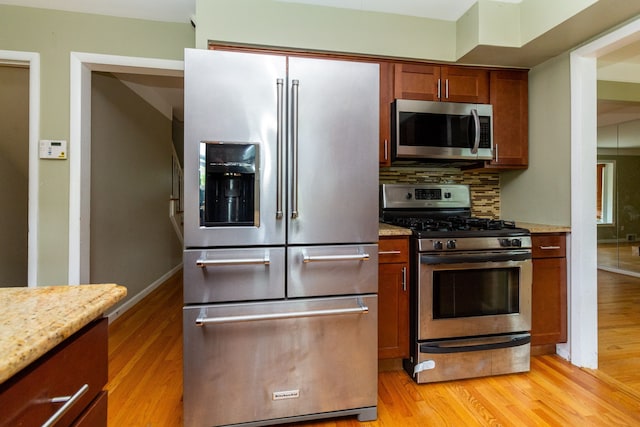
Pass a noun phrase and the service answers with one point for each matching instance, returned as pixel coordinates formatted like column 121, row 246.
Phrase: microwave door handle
column 279, row 135
column 476, row 122
column 294, row 149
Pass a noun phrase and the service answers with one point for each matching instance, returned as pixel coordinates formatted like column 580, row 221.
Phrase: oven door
column 473, row 294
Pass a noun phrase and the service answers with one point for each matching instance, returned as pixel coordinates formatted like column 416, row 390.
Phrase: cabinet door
column 509, row 97
column 416, row 81
column 460, row 84
column 549, row 301
column 79, row 362
column 393, row 311
column 386, row 98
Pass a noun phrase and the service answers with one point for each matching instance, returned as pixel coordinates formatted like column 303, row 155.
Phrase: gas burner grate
column 452, row 223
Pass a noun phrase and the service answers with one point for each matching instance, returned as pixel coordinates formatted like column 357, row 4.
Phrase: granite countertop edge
column 385, row 230
column 35, row 320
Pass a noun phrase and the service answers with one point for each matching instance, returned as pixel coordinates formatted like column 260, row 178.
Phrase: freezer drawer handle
column 361, row 309
column 204, row 263
column 323, row 258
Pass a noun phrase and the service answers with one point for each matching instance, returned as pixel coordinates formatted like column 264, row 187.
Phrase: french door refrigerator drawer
column 274, row 362
column 223, row 275
column 332, row 270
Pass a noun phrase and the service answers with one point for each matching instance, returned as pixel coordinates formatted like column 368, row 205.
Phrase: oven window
column 466, row 293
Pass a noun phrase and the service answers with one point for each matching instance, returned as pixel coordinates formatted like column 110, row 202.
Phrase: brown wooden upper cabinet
column 509, row 97
column 386, row 98
column 441, row 83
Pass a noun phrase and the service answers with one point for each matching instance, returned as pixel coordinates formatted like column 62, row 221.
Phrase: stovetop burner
column 452, row 223
column 439, row 211
column 457, row 226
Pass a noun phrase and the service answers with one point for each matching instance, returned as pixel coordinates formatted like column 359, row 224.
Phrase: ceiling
column 184, row 10
column 621, row 65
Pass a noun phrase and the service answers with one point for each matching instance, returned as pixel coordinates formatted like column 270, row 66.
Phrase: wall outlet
column 632, row 237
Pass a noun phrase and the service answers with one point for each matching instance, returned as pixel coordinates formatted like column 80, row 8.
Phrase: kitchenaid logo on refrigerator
column 287, row 394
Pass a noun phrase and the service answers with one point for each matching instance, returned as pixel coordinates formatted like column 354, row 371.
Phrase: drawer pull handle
column 69, row 401
column 204, row 320
column 389, row 252
column 328, row 258
column 203, row 263
column 549, row 248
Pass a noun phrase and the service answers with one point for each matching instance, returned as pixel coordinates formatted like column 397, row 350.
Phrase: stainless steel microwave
column 423, row 130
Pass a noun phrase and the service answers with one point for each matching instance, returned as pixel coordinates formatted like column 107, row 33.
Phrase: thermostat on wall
column 50, row 149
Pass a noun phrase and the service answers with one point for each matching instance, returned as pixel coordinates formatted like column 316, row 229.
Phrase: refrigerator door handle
column 203, row 319
column 279, row 135
column 204, row 263
column 322, row 258
column 294, row 148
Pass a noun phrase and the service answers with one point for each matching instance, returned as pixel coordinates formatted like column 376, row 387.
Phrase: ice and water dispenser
column 229, row 184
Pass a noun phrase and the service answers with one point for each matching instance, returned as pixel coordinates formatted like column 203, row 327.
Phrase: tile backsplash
column 485, row 186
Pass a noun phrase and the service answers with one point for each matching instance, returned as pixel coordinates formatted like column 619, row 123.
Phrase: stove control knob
column 505, row 242
column 516, row 242
column 409, row 196
column 451, row 244
column 437, row 244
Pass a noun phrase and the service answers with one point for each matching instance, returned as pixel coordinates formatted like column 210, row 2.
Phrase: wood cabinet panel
column 549, row 290
column 386, row 98
column 96, row 414
column 548, row 246
column 416, row 81
column 461, row 84
column 80, row 360
column 393, row 297
column 509, row 97
column 393, row 250
column 441, row 83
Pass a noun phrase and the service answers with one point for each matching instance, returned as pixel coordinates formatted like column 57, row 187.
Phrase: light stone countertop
column 35, row 320
column 543, row 228
column 392, row 230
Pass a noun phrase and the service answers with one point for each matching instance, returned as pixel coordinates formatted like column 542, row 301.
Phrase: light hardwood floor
column 619, row 256
column 145, row 376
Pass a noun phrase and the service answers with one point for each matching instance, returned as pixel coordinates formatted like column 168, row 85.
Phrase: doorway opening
column 18, row 221
column 89, row 72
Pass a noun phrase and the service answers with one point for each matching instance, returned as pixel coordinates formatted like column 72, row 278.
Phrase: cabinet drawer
column 96, row 413
column 548, row 245
column 393, row 250
column 81, row 359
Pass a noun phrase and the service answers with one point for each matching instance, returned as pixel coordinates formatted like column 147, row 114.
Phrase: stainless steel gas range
column 470, row 284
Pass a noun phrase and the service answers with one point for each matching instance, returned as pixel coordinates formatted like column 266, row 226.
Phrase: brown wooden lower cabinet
column 78, row 363
column 549, row 292
column 393, row 297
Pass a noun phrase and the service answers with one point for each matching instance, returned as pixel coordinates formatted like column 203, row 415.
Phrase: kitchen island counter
column 35, row 320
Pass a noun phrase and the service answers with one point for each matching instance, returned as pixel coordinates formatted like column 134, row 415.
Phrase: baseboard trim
column 119, row 311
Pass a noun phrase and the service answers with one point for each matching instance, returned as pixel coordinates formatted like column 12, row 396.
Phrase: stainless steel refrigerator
column 281, row 230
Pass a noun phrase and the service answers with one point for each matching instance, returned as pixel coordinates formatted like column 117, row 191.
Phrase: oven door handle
column 474, row 258
column 510, row 341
